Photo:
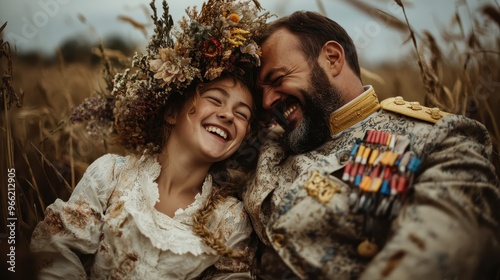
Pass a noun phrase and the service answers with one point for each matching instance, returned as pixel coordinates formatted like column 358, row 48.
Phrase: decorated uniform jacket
column 402, row 192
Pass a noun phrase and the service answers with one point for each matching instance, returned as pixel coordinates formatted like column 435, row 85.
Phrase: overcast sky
column 45, row 24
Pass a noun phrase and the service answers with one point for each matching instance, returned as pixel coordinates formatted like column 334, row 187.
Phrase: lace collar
column 166, row 233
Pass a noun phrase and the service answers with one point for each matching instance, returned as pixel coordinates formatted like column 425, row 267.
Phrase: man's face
column 299, row 94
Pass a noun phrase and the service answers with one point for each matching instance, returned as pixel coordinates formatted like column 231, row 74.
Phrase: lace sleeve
column 71, row 229
column 237, row 230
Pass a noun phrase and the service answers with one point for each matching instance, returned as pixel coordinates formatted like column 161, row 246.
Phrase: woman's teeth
column 217, row 131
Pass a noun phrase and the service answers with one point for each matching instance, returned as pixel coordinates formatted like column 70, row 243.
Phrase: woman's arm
column 237, row 230
column 71, row 229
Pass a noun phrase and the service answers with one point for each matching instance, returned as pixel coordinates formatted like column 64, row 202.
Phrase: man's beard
column 321, row 99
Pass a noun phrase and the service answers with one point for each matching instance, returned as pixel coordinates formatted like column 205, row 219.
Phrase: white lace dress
column 111, row 216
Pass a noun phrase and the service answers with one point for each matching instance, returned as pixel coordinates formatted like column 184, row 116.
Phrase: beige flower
column 169, row 67
column 167, row 72
column 253, row 50
column 213, row 73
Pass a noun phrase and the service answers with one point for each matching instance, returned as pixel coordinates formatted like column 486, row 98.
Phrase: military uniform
column 310, row 215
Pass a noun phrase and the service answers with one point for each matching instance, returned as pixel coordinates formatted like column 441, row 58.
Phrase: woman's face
column 215, row 124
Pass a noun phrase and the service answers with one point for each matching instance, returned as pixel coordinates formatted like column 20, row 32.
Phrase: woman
column 169, row 209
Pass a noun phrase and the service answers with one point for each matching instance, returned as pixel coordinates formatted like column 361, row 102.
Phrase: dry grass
column 462, row 78
column 50, row 156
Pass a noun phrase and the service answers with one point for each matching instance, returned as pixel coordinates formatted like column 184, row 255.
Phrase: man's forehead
column 281, row 35
column 278, row 52
column 280, row 45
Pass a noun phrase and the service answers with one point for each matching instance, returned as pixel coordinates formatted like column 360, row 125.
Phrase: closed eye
column 273, row 77
column 214, row 100
column 243, row 115
column 276, row 82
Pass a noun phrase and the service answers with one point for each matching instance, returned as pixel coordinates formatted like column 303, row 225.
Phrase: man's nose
column 270, row 98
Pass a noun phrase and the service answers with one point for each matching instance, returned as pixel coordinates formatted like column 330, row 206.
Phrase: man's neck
column 354, row 111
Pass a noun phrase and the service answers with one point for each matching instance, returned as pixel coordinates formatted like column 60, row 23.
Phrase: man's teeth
column 289, row 111
column 217, row 131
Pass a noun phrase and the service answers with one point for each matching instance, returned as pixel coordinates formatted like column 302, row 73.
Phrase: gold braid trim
column 354, row 112
column 214, row 240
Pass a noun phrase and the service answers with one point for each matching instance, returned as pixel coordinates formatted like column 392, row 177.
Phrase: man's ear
column 332, row 58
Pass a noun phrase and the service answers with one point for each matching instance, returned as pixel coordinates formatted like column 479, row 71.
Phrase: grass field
column 49, row 155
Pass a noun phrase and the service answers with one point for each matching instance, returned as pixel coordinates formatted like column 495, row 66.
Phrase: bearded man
column 355, row 188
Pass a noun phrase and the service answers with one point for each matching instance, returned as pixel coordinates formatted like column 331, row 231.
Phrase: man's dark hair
column 313, row 31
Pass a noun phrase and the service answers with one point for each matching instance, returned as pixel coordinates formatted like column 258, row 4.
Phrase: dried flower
column 234, row 18
column 251, row 49
column 205, row 44
column 97, row 112
column 213, row 73
column 211, row 47
column 171, row 68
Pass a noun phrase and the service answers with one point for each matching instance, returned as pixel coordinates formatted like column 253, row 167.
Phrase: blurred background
column 442, row 54
column 40, row 27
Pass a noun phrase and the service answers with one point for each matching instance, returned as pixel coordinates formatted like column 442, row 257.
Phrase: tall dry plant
column 8, row 98
column 49, row 155
column 466, row 80
column 9, row 195
column 36, row 138
column 462, row 76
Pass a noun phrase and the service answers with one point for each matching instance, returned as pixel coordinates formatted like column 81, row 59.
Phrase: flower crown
column 215, row 41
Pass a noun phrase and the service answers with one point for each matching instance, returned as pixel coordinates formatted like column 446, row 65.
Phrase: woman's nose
column 225, row 114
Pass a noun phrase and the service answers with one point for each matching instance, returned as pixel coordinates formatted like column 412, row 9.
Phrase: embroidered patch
column 321, row 187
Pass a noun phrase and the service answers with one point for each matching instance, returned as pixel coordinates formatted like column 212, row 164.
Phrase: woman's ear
column 170, row 116
column 334, row 55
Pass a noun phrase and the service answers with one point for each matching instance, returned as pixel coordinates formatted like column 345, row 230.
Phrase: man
column 355, row 189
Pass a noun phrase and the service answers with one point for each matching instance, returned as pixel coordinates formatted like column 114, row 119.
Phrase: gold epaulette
column 413, row 109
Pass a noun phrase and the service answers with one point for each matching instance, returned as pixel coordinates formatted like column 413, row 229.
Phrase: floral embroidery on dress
column 163, row 231
column 130, row 239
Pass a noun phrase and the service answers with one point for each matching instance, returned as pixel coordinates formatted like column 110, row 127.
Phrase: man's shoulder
column 413, row 109
column 428, row 117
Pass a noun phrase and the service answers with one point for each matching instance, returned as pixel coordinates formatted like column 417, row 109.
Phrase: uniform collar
column 356, row 110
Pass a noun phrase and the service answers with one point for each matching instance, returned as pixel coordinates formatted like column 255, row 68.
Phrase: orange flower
column 211, row 47
column 234, row 18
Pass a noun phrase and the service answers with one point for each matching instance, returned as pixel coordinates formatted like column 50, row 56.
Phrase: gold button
column 343, row 159
column 435, row 113
column 279, row 240
column 415, row 106
column 398, row 100
column 367, row 249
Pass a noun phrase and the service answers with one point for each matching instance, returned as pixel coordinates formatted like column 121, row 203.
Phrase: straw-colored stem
column 8, row 132
column 34, row 183
column 71, row 159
